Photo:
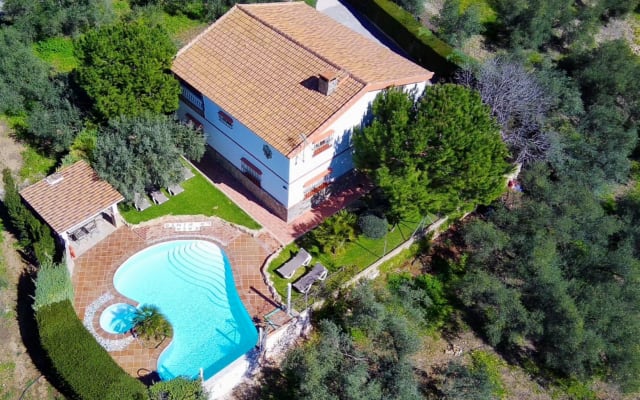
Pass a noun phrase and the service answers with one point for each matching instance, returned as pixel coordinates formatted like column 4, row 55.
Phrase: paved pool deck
column 94, row 270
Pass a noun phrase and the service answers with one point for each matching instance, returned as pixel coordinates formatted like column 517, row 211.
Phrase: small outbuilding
column 79, row 206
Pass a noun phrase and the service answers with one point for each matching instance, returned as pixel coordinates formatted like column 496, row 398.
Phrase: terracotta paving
column 283, row 232
column 247, row 251
column 94, row 270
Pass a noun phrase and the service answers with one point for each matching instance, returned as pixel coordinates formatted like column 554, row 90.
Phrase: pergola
column 71, row 200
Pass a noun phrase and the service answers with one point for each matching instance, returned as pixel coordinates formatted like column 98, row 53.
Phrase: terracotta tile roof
column 260, row 63
column 69, row 201
column 364, row 58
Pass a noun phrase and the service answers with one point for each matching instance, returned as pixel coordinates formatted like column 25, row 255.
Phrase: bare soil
column 17, row 370
column 18, row 374
column 10, row 152
column 627, row 29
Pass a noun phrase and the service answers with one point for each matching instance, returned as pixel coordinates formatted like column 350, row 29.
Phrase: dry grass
column 627, row 29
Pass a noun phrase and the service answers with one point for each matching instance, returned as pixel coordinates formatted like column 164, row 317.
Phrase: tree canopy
column 139, row 153
column 559, row 271
column 48, row 18
column 518, row 100
column 531, row 23
column 125, row 69
column 439, row 155
column 362, row 355
column 456, row 26
column 609, row 74
column 24, row 78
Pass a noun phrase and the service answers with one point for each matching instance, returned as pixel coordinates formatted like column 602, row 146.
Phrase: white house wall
column 305, row 166
column 238, row 142
column 284, row 179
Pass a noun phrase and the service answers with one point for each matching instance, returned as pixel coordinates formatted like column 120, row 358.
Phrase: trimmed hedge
column 418, row 41
column 80, row 362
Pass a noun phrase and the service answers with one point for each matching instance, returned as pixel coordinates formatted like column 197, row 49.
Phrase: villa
column 277, row 89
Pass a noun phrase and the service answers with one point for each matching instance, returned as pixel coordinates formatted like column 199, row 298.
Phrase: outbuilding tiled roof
column 70, row 196
column 261, row 62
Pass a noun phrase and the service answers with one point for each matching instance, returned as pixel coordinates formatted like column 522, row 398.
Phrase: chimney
column 327, row 82
column 54, row 178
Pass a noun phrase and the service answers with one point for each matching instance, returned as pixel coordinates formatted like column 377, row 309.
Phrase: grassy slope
column 361, row 253
column 199, row 198
column 35, row 165
column 58, row 52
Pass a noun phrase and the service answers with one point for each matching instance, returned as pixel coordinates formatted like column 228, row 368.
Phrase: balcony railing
column 195, row 100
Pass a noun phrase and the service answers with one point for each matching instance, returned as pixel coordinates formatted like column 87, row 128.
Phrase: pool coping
column 137, row 238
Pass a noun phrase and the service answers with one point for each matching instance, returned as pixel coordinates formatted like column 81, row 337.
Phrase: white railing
column 192, row 98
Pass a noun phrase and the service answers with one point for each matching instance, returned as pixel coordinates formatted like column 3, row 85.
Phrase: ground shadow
column 148, row 377
column 265, row 298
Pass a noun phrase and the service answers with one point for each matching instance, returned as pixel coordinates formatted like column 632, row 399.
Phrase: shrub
column 335, row 232
column 53, row 285
column 373, row 226
column 177, row 389
column 150, row 323
column 423, row 297
column 78, row 359
column 27, row 227
column 491, row 365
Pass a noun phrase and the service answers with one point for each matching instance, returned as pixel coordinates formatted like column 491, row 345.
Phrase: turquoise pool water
column 190, row 281
column 118, row 318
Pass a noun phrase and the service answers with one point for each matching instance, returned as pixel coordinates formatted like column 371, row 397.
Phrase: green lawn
column 357, row 255
column 58, row 52
column 487, row 14
column 35, row 166
column 181, row 29
column 199, row 198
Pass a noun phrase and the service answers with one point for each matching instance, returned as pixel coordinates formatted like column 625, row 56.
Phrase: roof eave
column 325, row 125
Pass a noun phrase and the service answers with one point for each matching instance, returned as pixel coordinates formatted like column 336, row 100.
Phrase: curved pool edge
column 241, row 313
column 117, row 318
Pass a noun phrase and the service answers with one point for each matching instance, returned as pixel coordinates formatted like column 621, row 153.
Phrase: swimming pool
column 190, row 281
column 118, row 318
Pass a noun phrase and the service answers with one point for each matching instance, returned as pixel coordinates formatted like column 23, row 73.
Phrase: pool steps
column 197, row 266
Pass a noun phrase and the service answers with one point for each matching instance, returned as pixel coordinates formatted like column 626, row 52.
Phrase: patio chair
column 187, row 173
column 158, row 197
column 175, row 189
column 90, row 227
column 141, row 202
column 319, row 272
column 78, row 234
column 290, row 267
